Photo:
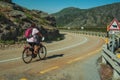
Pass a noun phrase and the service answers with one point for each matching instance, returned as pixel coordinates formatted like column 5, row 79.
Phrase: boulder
column 17, row 14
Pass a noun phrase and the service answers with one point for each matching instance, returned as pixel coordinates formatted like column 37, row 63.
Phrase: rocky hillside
column 14, row 19
column 95, row 17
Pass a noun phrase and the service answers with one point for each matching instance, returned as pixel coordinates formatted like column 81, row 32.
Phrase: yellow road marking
column 23, row 79
column 82, row 57
column 47, row 70
column 71, row 61
column 76, row 59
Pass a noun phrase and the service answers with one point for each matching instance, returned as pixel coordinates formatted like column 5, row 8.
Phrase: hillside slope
column 95, row 17
column 14, row 19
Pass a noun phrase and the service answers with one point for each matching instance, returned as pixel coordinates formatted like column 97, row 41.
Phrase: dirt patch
column 106, row 72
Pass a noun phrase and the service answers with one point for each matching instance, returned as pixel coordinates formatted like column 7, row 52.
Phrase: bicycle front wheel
column 27, row 55
column 42, row 52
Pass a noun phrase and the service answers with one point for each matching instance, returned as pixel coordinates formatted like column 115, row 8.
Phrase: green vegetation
column 7, row 41
column 43, row 21
column 29, row 16
column 91, row 19
column 56, row 38
column 98, row 29
column 17, row 20
column 66, row 16
column 1, row 16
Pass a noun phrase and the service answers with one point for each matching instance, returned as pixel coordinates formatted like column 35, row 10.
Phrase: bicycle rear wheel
column 27, row 55
column 42, row 52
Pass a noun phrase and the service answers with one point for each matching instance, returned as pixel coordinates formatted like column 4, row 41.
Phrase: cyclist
column 34, row 40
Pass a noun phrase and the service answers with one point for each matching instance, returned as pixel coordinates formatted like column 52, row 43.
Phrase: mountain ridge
column 99, row 16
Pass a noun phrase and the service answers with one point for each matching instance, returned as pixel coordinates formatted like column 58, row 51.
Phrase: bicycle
column 29, row 51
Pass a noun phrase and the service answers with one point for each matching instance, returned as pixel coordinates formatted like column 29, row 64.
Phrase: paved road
column 61, row 54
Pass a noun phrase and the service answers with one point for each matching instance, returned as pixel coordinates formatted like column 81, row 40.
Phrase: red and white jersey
column 33, row 38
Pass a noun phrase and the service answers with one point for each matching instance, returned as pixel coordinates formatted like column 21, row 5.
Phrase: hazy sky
column 52, row 6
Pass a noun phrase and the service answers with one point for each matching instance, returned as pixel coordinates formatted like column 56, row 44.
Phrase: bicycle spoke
column 42, row 53
column 26, row 56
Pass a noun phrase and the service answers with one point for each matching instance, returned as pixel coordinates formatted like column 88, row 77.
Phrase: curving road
column 61, row 54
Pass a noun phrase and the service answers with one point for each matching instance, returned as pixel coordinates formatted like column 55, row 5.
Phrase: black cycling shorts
column 33, row 43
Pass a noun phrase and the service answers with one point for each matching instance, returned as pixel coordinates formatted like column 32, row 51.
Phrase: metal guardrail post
column 103, row 59
column 110, row 57
column 113, row 43
column 101, row 34
column 118, row 42
column 116, row 76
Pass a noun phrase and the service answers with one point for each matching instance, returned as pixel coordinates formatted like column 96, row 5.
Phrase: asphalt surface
column 86, row 69
column 75, row 55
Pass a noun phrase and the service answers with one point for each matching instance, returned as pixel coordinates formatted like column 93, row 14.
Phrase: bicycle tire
column 42, row 53
column 24, row 56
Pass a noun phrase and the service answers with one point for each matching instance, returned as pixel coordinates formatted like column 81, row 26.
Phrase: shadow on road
column 50, row 57
column 55, row 56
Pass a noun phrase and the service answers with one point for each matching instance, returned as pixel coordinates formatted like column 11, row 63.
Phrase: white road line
column 10, row 59
column 84, row 41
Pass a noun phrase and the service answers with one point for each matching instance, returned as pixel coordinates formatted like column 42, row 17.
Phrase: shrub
column 7, row 42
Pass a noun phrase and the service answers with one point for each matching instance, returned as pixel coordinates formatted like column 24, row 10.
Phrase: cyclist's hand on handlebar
column 43, row 38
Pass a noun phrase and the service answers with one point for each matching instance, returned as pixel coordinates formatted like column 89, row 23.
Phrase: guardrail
column 109, row 56
column 100, row 34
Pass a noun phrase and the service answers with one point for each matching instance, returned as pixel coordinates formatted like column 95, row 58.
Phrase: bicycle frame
column 42, row 55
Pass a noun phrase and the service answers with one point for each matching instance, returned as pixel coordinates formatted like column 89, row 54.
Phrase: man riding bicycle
column 34, row 39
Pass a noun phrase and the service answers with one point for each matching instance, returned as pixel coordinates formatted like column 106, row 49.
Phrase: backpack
column 28, row 33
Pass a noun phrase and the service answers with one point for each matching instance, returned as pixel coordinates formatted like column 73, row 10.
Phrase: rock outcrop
column 14, row 19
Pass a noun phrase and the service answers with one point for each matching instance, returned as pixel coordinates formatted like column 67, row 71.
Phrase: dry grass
column 106, row 72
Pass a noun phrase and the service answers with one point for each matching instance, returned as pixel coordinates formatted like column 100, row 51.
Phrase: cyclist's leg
column 36, row 48
column 37, row 45
column 32, row 44
column 33, row 47
column 28, row 50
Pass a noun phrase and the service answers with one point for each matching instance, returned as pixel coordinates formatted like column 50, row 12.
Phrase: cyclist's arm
column 39, row 34
column 36, row 31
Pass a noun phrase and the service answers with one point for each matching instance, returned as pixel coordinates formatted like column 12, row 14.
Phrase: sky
column 53, row 6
